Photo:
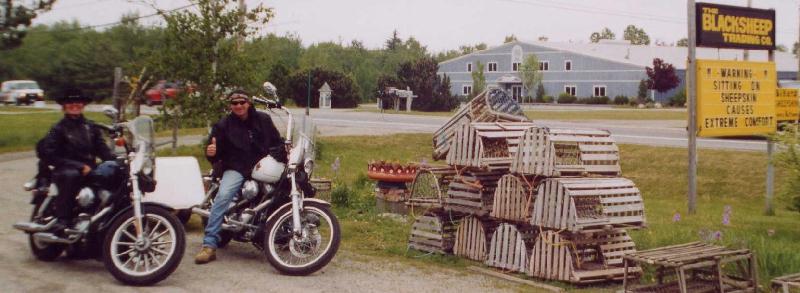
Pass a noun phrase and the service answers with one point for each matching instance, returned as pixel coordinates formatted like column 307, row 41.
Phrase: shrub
column 340, row 195
column 621, row 100
column 548, row 99
column 346, row 93
column 679, row 99
column 565, row 98
column 594, row 100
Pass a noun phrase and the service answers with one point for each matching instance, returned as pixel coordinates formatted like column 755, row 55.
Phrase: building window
column 469, row 67
column 492, row 66
column 570, row 89
column 568, row 65
column 600, row 91
column 544, row 65
column 466, row 90
column 515, row 66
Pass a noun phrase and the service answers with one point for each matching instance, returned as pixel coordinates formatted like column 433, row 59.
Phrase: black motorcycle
column 139, row 243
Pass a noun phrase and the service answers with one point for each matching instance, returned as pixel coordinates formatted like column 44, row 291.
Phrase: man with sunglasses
column 72, row 147
column 236, row 143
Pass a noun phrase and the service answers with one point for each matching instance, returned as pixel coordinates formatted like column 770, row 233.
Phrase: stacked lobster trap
column 547, row 202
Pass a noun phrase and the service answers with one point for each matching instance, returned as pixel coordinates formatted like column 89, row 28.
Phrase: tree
column 796, row 49
column 509, row 39
column 605, row 34
column 781, row 48
column 684, row 42
column 529, row 73
column 394, row 42
column 481, row 47
column 641, row 95
column 540, row 92
column 345, row 93
column 661, row 77
column 478, row 80
column 200, row 48
column 636, row 36
column 432, row 90
column 543, row 38
column 16, row 18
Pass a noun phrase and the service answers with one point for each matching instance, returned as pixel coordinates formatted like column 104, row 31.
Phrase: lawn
column 22, row 131
column 16, row 109
column 600, row 114
column 725, row 178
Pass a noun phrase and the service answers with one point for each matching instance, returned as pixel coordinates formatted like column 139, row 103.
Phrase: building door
column 516, row 92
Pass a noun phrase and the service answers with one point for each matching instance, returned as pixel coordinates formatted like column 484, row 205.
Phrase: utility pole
column 691, row 83
column 240, row 38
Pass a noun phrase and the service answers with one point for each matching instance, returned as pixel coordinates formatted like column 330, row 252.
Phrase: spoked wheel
column 146, row 261
column 303, row 254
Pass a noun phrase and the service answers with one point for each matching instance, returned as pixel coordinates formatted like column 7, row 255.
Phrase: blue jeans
column 230, row 184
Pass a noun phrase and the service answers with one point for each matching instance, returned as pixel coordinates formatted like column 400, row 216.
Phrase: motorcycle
column 140, row 243
column 275, row 209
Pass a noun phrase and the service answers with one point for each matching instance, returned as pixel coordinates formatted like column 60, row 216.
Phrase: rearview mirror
column 110, row 112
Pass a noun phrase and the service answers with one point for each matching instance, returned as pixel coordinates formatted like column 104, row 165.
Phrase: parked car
column 20, row 92
column 160, row 92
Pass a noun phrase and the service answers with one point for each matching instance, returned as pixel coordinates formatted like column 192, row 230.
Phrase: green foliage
column 432, row 90
column 540, row 92
column 16, row 18
column 529, row 73
column 593, row 100
column 789, row 158
column 510, row 38
column 684, row 42
column 621, row 100
column 605, row 34
column 345, row 93
column 547, row 99
column 478, row 80
column 662, row 76
column 678, row 99
column 636, row 35
column 565, row 98
column 641, row 95
column 340, row 195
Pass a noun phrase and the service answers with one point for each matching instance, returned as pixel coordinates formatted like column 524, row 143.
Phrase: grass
column 631, row 114
column 21, row 132
column 16, row 109
column 422, row 113
column 725, row 178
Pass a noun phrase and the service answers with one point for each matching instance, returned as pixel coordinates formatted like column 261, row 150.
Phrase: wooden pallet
column 472, row 238
column 554, row 152
column 489, row 106
column 429, row 186
column 433, row 232
column 514, row 198
column 486, row 145
column 582, row 258
column 575, row 204
column 471, row 192
column 510, row 247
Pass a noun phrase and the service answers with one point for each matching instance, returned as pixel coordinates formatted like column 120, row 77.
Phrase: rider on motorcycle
column 72, row 146
column 236, row 143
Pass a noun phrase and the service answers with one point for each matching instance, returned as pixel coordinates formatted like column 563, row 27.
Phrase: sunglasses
column 235, row 103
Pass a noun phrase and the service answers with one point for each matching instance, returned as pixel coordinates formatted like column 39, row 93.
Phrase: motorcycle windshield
column 306, row 129
column 141, row 128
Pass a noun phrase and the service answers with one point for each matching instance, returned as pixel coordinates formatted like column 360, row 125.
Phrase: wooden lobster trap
column 486, row 145
column 472, row 237
column 471, row 192
column 514, row 198
column 582, row 258
column 434, row 232
column 510, row 247
column 576, row 204
column 429, row 186
column 554, row 152
column 489, row 106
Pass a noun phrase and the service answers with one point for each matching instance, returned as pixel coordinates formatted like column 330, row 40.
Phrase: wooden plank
column 605, row 148
column 515, row 279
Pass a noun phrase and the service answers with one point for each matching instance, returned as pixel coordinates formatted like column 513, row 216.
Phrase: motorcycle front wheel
column 306, row 253
column 150, row 260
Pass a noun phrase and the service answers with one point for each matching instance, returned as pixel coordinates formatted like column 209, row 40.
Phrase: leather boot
column 206, row 255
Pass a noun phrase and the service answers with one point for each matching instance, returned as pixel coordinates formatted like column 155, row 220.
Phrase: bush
column 594, row 100
column 340, row 195
column 547, row 99
column 621, row 100
column 565, row 98
column 346, row 93
column 679, row 99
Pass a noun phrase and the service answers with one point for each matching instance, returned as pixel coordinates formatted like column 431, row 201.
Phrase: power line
column 116, row 22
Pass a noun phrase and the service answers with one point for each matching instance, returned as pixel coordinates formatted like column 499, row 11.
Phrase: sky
column 446, row 24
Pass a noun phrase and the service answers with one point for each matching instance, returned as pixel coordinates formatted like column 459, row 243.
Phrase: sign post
column 691, row 78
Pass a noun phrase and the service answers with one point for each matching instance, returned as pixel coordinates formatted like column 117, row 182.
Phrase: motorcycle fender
column 119, row 213
column 289, row 205
column 180, row 183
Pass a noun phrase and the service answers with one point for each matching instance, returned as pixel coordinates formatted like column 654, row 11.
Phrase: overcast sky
column 447, row 24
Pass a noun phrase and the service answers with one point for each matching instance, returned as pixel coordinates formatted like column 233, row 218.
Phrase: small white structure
column 398, row 96
column 325, row 96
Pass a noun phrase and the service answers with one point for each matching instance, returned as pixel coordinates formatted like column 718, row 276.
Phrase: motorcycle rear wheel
column 44, row 251
column 158, row 258
column 288, row 254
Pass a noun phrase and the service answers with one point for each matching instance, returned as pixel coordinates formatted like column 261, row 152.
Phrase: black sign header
column 725, row 26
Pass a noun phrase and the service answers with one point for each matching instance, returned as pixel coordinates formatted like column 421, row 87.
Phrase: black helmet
column 72, row 94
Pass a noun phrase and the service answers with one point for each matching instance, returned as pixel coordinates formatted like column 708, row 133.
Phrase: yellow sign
column 786, row 108
column 735, row 98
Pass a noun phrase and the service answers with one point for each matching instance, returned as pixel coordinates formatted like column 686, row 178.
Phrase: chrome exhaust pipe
column 52, row 238
column 231, row 225
column 34, row 227
column 200, row 212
